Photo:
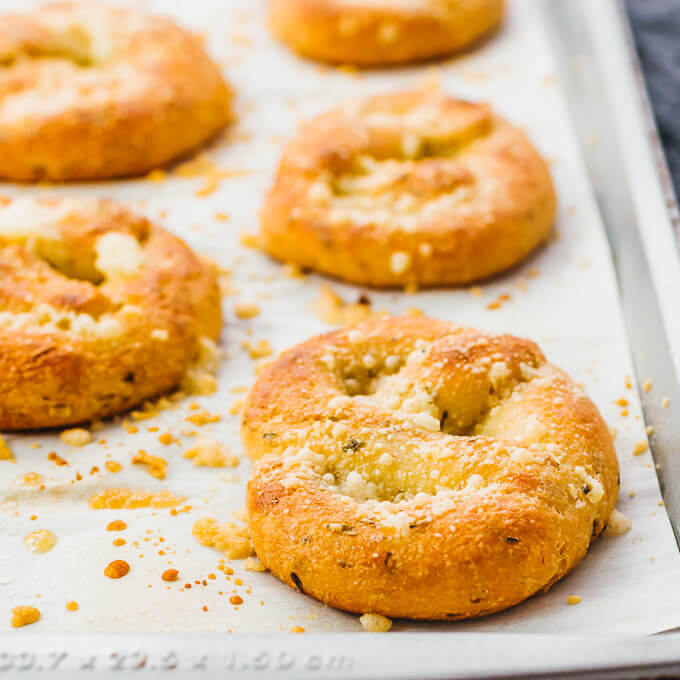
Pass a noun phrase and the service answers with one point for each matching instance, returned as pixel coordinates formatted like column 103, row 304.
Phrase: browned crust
column 156, row 98
column 342, row 31
column 524, row 524
column 51, row 376
column 474, row 199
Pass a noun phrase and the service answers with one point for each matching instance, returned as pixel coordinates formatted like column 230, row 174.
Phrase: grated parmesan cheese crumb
column 375, row 623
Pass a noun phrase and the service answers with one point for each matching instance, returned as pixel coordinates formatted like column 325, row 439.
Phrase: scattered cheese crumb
column 253, row 564
column 237, row 407
column 375, row 623
column 77, row 436
column 72, row 606
column 40, row 541
column 128, row 499
column 5, row 451
column 333, row 310
column 618, row 524
column 211, row 453
column 170, row 575
column 116, row 569
column 246, row 310
column 260, row 349
column 647, row 385
column 113, row 466
column 24, row 615
column 573, row 599
column 640, row 447
column 156, row 465
column 229, row 538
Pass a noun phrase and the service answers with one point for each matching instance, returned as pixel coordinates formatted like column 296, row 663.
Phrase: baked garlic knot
column 420, row 469
column 88, row 91
column 99, row 309
column 409, row 188
column 379, row 32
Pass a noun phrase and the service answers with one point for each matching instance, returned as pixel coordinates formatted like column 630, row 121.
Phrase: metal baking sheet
column 599, row 81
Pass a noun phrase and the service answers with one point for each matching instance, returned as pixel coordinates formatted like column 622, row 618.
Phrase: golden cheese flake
column 249, row 240
column 199, row 381
column 258, row 350
column 333, row 310
column 211, row 453
column 617, row 524
column 476, row 291
column 253, row 564
column 292, row 270
column 24, row 616
column 297, row 629
column 31, row 479
column 5, row 451
column 640, row 447
column 113, row 466
column 573, row 599
column 204, row 417
column 170, row 575
column 228, row 537
column 72, row 606
column 40, row 541
column 665, row 402
column 56, row 458
column 156, row 175
column 246, row 310
column 116, row 525
column 221, row 217
column 499, row 301
column 156, row 465
column 116, row 569
column 647, row 384
column 130, row 499
column 143, row 415
column 237, row 407
column 77, row 436
column 375, row 623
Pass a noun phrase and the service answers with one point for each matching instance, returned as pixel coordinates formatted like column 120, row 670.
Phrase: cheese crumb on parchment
column 5, row 451
column 228, row 537
column 618, row 524
column 375, row 623
column 211, row 453
column 77, row 436
column 40, row 541
column 130, row 499
column 24, row 615
column 156, row 465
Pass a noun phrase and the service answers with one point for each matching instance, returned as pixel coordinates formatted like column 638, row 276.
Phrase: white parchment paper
column 629, row 584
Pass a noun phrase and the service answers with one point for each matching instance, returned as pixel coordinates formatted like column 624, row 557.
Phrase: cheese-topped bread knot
column 99, row 309
column 409, row 188
column 381, row 32
column 88, row 91
column 416, row 468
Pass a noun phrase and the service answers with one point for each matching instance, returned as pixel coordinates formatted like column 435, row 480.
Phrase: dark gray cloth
column 656, row 30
